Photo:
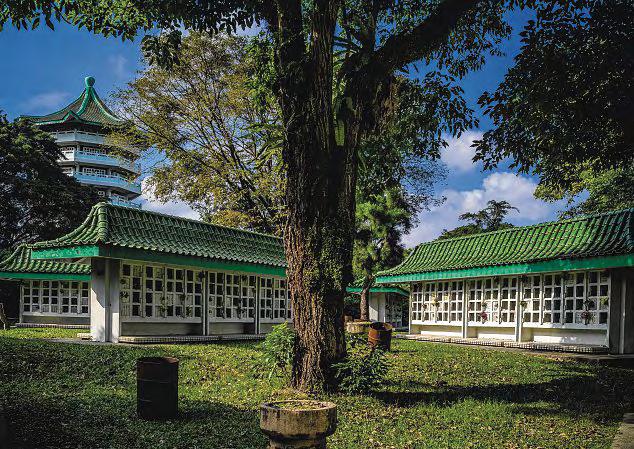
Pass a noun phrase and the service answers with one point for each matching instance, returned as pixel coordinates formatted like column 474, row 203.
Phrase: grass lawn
column 438, row 396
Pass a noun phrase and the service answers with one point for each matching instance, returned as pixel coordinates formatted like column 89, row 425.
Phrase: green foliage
column 216, row 130
column 363, row 370
column 37, row 200
column 278, row 348
column 491, row 218
column 324, row 121
column 606, row 190
column 381, row 220
column 568, row 101
column 54, row 393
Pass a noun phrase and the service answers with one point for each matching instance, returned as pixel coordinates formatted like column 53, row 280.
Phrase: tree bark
column 319, row 194
column 364, row 305
column 321, row 172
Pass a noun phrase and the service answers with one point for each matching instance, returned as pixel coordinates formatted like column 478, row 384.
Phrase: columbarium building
column 127, row 273
column 80, row 130
column 567, row 282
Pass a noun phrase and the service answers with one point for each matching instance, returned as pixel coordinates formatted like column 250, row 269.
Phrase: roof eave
column 119, row 252
column 15, row 275
column 394, row 289
column 592, row 263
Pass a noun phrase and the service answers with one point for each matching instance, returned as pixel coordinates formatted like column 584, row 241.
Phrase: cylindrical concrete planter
column 298, row 424
column 358, row 327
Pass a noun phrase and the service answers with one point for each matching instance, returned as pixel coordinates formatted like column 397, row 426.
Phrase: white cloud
column 46, row 102
column 118, row 65
column 177, row 208
column 458, row 155
column 517, row 190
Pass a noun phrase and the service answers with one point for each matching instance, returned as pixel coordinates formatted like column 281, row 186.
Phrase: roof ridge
column 55, row 112
column 104, row 108
column 17, row 252
column 79, row 107
column 535, row 225
column 588, row 235
column 191, row 220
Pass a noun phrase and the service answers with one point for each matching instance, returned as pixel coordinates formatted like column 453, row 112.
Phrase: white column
column 104, row 300
column 465, row 308
column 98, row 303
column 113, row 268
column 519, row 310
column 21, row 303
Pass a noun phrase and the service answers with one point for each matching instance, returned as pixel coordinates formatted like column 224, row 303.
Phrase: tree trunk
column 364, row 305
column 319, row 195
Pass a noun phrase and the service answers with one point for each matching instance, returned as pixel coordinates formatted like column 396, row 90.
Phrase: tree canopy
column 491, row 218
column 569, row 99
column 37, row 200
column 218, row 142
column 337, row 66
column 593, row 191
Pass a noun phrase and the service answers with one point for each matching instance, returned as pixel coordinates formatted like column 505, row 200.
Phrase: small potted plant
column 586, row 316
column 298, row 424
column 604, row 301
column 163, row 309
column 483, row 316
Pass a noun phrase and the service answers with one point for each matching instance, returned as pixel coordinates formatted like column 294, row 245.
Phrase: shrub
column 363, row 370
column 278, row 348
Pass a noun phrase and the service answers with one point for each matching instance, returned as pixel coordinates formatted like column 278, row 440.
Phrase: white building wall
column 569, row 307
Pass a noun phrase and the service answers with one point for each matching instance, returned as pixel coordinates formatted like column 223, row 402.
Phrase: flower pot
column 380, row 336
column 301, row 424
column 358, row 327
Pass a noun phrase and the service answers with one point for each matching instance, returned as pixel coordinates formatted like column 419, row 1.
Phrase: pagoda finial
column 90, row 81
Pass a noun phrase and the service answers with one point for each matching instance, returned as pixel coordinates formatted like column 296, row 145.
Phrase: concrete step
column 527, row 345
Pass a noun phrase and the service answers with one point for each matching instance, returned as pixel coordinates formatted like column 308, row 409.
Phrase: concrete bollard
column 298, row 424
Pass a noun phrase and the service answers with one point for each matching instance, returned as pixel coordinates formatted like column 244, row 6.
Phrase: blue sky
column 43, row 70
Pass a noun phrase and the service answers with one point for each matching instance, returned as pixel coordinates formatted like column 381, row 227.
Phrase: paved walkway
column 625, row 437
column 615, row 360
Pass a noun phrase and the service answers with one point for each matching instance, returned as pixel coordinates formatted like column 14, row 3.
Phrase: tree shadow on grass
column 110, row 421
column 75, row 396
column 596, row 397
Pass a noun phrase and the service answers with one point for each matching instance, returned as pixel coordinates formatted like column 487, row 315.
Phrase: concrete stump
column 298, row 424
column 358, row 327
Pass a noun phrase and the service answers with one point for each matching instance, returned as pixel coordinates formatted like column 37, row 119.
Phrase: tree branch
column 407, row 47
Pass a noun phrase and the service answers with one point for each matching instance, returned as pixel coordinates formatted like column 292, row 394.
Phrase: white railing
column 123, row 202
column 109, row 180
column 62, row 137
column 78, row 136
column 104, row 159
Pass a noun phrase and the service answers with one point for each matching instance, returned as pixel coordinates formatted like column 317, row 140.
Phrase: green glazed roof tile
column 87, row 108
column 118, row 226
column 20, row 262
column 598, row 235
column 355, row 287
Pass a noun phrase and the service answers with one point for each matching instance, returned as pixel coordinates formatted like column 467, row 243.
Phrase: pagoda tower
column 80, row 131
